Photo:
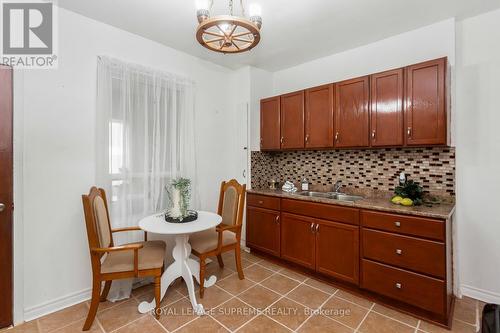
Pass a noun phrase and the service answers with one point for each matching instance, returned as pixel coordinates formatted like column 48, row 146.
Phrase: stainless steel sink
column 329, row 195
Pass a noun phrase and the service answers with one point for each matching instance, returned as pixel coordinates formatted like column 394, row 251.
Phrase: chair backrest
column 231, row 202
column 97, row 219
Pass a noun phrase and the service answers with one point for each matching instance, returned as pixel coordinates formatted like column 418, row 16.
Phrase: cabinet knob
column 399, row 251
column 409, row 132
column 337, row 137
column 307, row 138
column 317, row 228
column 277, row 219
column 397, row 224
column 399, row 285
column 282, row 139
column 373, row 134
column 312, row 227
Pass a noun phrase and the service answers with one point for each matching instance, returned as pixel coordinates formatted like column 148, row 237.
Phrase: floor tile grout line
column 213, row 318
column 100, row 325
column 418, row 326
column 158, row 322
column 335, row 320
column 392, row 318
column 133, row 321
column 464, row 322
column 319, row 308
column 185, row 324
column 364, row 318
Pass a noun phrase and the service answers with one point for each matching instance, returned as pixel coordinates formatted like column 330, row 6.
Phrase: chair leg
column 221, row 262
column 202, row 277
column 157, row 296
column 96, row 293
column 105, row 291
column 237, row 254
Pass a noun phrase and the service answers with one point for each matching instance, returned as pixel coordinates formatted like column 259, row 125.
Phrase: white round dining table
column 183, row 266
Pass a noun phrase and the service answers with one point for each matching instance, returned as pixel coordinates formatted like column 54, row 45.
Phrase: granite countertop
column 375, row 202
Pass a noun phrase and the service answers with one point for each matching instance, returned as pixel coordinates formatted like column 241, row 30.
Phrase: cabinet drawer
column 263, row 201
column 418, row 290
column 322, row 211
column 407, row 225
column 415, row 254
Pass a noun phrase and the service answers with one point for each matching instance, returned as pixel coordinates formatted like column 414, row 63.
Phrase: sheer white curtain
column 145, row 137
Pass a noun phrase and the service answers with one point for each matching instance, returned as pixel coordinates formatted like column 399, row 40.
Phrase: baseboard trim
column 43, row 309
column 480, row 294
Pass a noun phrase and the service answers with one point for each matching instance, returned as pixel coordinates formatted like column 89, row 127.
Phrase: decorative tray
column 192, row 216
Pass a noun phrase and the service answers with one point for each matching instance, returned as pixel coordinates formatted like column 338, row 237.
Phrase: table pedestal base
column 184, row 267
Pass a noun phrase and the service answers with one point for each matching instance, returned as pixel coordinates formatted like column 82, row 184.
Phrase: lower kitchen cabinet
column 263, row 230
column 337, row 250
column 298, row 239
column 402, row 260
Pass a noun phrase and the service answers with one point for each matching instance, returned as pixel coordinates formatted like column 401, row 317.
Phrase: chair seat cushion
column 151, row 256
column 207, row 240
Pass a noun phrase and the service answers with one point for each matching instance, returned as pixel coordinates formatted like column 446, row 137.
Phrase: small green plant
column 412, row 190
column 180, row 195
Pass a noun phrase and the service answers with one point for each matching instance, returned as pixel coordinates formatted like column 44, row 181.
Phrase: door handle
column 317, row 228
column 409, row 132
column 2, row 207
column 337, row 137
column 277, row 219
column 312, row 227
column 244, row 173
column 373, row 134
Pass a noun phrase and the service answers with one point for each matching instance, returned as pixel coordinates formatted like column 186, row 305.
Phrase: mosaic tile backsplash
column 377, row 169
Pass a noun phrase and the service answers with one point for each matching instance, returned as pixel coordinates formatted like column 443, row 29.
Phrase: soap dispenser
column 305, row 184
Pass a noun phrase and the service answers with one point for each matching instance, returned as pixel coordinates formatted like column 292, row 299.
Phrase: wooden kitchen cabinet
column 337, row 250
column 386, row 109
column 425, row 103
column 298, row 239
column 292, row 120
column 319, row 117
column 270, row 127
column 263, row 230
column 351, row 113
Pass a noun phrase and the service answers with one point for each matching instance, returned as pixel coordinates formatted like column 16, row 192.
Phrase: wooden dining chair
column 226, row 236
column 110, row 262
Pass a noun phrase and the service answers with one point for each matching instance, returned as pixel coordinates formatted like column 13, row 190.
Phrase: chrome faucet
column 337, row 186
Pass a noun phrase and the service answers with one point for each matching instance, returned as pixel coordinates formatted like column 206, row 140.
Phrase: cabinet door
column 351, row 113
column 425, row 104
column 319, row 117
column 298, row 240
column 292, row 120
column 270, row 123
column 263, row 230
column 337, row 250
column 387, row 109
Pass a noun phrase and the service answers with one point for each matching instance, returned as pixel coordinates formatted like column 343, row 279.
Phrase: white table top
column 156, row 224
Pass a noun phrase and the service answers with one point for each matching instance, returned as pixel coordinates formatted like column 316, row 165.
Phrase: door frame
column 9, row 312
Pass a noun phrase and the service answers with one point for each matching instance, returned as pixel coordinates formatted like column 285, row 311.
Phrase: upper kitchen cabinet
column 292, row 120
column 351, row 113
column 270, row 123
column 425, row 103
column 386, row 109
column 319, row 117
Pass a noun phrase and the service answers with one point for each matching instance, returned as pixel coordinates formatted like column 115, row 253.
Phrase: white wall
column 478, row 155
column 58, row 151
column 430, row 42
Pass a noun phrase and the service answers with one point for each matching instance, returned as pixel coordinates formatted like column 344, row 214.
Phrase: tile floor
column 270, row 299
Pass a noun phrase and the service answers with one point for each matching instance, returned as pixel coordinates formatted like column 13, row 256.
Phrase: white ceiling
column 293, row 31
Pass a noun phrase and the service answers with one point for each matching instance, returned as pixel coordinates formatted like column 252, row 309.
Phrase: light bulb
column 202, row 4
column 255, row 10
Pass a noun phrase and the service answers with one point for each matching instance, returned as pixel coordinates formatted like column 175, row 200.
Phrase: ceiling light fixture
column 228, row 33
